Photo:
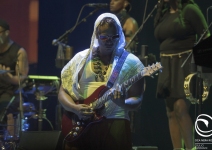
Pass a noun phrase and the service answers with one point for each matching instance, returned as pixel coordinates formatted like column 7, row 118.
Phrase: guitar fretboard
column 147, row 71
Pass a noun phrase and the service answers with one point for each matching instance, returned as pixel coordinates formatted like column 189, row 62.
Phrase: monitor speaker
column 40, row 140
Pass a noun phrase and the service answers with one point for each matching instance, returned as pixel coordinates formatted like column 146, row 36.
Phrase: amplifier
column 40, row 140
column 144, row 148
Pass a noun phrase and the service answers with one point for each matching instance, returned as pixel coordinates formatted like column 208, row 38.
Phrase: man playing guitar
column 100, row 85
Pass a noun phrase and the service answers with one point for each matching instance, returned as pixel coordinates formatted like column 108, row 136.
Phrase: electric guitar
column 73, row 127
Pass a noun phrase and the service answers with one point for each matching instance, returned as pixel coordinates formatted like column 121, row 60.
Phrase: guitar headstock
column 153, row 69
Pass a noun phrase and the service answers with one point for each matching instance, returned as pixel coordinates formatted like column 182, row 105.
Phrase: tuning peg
column 149, row 67
column 153, row 65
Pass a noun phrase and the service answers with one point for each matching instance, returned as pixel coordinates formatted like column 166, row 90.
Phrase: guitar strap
column 117, row 69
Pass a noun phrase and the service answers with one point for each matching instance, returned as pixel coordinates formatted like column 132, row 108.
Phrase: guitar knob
column 70, row 133
column 75, row 134
column 77, row 128
column 78, row 123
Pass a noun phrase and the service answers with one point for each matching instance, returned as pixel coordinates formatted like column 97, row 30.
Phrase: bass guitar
column 73, row 127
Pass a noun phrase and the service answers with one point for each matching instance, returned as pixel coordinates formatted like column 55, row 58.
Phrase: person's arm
column 134, row 96
column 66, row 101
column 22, row 68
column 196, row 19
column 83, row 111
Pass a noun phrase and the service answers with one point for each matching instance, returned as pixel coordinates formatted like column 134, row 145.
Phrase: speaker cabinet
column 40, row 140
column 144, row 148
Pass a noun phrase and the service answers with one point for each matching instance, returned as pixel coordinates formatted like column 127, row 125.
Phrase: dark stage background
column 58, row 16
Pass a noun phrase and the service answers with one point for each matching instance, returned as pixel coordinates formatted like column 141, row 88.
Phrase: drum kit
column 40, row 86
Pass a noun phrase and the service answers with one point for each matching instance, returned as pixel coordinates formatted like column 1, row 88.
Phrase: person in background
column 177, row 25
column 85, row 73
column 13, row 70
column 121, row 9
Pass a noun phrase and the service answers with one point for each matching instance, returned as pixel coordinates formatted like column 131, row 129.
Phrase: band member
column 121, row 9
column 92, row 68
column 177, row 24
column 14, row 69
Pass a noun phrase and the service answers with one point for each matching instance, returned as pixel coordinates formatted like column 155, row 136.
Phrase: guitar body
column 96, row 94
column 72, row 126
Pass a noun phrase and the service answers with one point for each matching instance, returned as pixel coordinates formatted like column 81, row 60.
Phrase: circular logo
column 203, row 118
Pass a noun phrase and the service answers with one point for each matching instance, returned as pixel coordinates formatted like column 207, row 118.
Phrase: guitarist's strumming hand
column 84, row 111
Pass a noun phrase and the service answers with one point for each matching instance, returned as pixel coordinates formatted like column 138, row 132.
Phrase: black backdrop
column 58, row 16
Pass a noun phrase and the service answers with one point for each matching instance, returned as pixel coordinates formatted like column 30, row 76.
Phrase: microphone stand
column 62, row 37
column 21, row 101
column 139, row 29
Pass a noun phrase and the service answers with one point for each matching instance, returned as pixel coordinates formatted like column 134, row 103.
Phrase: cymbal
column 5, row 71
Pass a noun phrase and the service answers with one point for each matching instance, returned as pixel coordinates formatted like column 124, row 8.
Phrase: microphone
column 99, row 5
column 60, row 58
column 55, row 42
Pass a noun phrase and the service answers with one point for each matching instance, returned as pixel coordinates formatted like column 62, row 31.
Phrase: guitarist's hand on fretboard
column 119, row 95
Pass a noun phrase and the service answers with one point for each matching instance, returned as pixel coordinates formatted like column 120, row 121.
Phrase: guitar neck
column 132, row 80
column 147, row 71
column 107, row 95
